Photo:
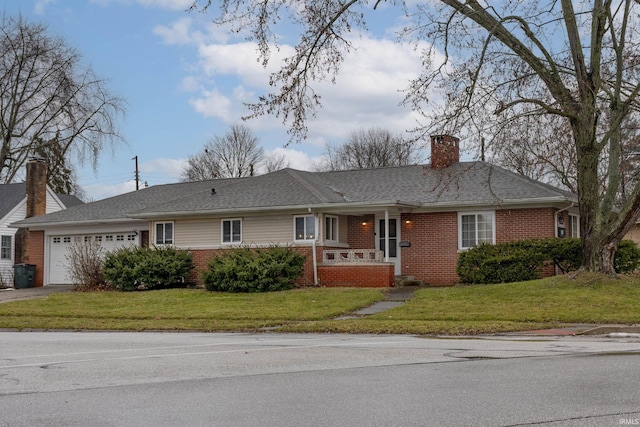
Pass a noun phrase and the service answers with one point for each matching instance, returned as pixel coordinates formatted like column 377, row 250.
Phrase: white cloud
column 212, row 103
column 168, row 167
column 295, row 158
column 162, row 4
column 367, row 92
column 99, row 191
column 40, row 5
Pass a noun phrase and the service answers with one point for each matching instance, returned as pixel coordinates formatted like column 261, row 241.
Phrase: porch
column 355, row 267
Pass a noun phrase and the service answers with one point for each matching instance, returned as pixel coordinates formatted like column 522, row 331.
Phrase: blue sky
column 185, row 81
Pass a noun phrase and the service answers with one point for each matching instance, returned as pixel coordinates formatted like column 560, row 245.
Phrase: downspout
column 555, row 215
column 313, row 246
column 386, row 235
column 555, row 232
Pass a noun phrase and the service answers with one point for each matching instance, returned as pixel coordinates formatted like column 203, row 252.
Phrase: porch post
column 386, row 235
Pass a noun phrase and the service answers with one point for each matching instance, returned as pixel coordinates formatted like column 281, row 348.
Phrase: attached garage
column 58, row 249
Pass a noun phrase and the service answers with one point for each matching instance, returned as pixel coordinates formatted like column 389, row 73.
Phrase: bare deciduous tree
column 578, row 61
column 275, row 162
column 233, row 155
column 49, row 103
column 371, row 148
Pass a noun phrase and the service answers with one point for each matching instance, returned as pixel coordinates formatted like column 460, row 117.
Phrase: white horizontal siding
column 6, row 265
column 196, row 233
column 267, row 229
column 52, row 203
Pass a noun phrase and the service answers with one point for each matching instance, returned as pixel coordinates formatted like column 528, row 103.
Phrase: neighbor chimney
column 445, row 151
column 36, row 187
column 36, row 205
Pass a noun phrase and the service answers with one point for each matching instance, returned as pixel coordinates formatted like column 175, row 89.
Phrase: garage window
column 164, row 233
column 5, row 247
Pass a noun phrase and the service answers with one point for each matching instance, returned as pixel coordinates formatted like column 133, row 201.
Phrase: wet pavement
column 12, row 294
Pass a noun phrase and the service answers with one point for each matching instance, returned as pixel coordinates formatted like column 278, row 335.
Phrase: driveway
column 7, row 295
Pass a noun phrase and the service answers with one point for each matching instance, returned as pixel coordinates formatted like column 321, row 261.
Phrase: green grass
column 545, row 303
column 458, row 310
column 182, row 309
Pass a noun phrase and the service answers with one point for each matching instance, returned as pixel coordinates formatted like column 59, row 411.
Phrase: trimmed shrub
column 253, row 270
column 499, row 263
column 524, row 260
column 132, row 268
column 627, row 257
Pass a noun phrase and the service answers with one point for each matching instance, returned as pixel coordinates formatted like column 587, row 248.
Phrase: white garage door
column 59, row 248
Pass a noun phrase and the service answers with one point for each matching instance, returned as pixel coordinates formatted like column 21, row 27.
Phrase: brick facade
column 36, row 255
column 373, row 275
column 433, row 254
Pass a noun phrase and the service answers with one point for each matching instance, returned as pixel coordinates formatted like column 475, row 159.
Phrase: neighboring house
column 14, row 207
column 358, row 228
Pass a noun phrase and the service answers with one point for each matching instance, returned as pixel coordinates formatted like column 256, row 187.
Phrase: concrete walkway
column 11, row 294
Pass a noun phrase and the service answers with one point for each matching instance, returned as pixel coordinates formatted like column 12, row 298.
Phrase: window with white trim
column 475, row 228
column 331, row 228
column 5, row 247
column 231, row 231
column 304, row 227
column 574, row 225
column 164, row 233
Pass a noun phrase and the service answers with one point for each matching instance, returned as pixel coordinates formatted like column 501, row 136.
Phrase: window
column 475, row 228
column 5, row 247
column 66, row 239
column 331, row 228
column 305, row 227
column 120, row 238
column 574, row 226
column 231, row 231
column 98, row 238
column 164, row 233
column 108, row 238
column 131, row 237
column 56, row 240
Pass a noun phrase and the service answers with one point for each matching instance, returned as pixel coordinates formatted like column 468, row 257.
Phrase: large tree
column 232, row 155
column 370, row 148
column 50, row 104
column 577, row 61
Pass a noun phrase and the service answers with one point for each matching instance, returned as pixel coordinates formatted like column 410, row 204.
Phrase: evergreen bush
column 254, row 270
column 133, row 268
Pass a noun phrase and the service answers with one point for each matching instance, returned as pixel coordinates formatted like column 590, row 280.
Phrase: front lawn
column 182, row 309
column 535, row 304
column 458, row 310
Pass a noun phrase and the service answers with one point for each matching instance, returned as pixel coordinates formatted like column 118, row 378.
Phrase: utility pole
column 137, row 174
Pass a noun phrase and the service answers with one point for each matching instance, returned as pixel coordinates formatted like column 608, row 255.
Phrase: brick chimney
column 36, row 188
column 445, row 151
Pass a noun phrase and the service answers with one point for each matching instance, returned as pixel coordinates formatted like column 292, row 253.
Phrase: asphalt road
column 193, row 379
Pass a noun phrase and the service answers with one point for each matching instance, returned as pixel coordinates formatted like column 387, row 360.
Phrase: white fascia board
column 296, row 208
column 88, row 223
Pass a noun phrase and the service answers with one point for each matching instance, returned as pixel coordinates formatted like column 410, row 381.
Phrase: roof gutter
column 368, row 204
column 39, row 225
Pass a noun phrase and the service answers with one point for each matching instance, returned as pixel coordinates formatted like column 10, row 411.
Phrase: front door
column 394, row 240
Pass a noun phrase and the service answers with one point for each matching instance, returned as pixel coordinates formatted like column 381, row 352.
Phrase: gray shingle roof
column 12, row 194
column 461, row 184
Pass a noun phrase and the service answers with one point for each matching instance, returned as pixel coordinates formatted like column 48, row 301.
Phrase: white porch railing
column 351, row 255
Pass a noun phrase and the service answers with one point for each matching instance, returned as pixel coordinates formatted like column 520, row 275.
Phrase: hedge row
column 525, row 259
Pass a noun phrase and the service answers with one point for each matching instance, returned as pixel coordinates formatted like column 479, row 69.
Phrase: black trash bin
column 23, row 275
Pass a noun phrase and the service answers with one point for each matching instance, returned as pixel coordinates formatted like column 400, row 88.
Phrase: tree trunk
column 608, row 252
